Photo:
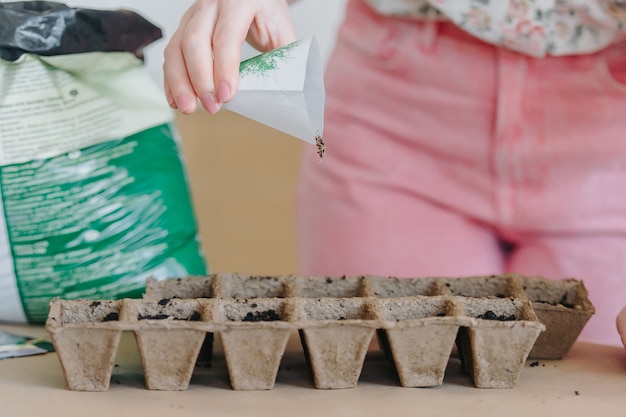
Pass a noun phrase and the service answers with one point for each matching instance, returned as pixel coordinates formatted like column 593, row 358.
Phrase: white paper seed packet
column 284, row 89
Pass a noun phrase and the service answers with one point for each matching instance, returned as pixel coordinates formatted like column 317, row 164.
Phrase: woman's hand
column 621, row 325
column 202, row 57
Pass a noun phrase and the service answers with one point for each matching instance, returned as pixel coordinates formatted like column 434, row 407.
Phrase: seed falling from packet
column 284, row 89
column 320, row 145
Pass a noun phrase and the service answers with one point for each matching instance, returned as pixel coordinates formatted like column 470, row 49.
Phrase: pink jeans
column 446, row 156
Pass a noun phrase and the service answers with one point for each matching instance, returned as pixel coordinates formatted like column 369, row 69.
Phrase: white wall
column 312, row 17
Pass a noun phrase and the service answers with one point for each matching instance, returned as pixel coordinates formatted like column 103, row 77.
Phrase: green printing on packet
column 267, row 62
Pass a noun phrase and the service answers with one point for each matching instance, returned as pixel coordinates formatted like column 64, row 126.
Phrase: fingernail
column 223, row 92
column 184, row 103
column 210, row 103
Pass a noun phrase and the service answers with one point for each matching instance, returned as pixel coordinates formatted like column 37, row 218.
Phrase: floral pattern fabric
column 534, row 27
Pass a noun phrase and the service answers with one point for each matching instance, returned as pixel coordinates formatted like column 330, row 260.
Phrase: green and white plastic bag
column 93, row 190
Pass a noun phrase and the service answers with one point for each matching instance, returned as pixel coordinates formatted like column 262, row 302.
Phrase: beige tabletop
column 591, row 380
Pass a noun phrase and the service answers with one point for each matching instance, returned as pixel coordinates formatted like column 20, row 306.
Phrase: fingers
column 272, row 28
column 198, row 55
column 189, row 69
column 266, row 25
column 202, row 57
column 168, row 92
column 230, row 33
column 178, row 87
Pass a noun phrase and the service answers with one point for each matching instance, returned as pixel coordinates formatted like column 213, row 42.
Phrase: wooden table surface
column 591, row 380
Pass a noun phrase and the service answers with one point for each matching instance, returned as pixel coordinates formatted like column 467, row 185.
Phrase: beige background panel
column 243, row 178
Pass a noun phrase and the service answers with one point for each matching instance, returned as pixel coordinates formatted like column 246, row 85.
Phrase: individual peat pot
column 492, row 286
column 86, row 336
column 232, row 286
column 496, row 344
column 335, row 335
column 169, row 336
column 419, row 333
column 391, row 287
column 328, row 287
column 188, row 287
column 564, row 307
column 254, row 336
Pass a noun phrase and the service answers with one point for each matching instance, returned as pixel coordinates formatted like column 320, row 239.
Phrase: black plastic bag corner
column 49, row 28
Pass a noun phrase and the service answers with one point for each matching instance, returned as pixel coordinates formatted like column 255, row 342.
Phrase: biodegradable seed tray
column 417, row 320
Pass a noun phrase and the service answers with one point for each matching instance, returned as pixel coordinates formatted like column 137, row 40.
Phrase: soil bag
column 93, row 190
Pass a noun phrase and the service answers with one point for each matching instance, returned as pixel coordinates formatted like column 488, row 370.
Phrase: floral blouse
column 534, row 27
